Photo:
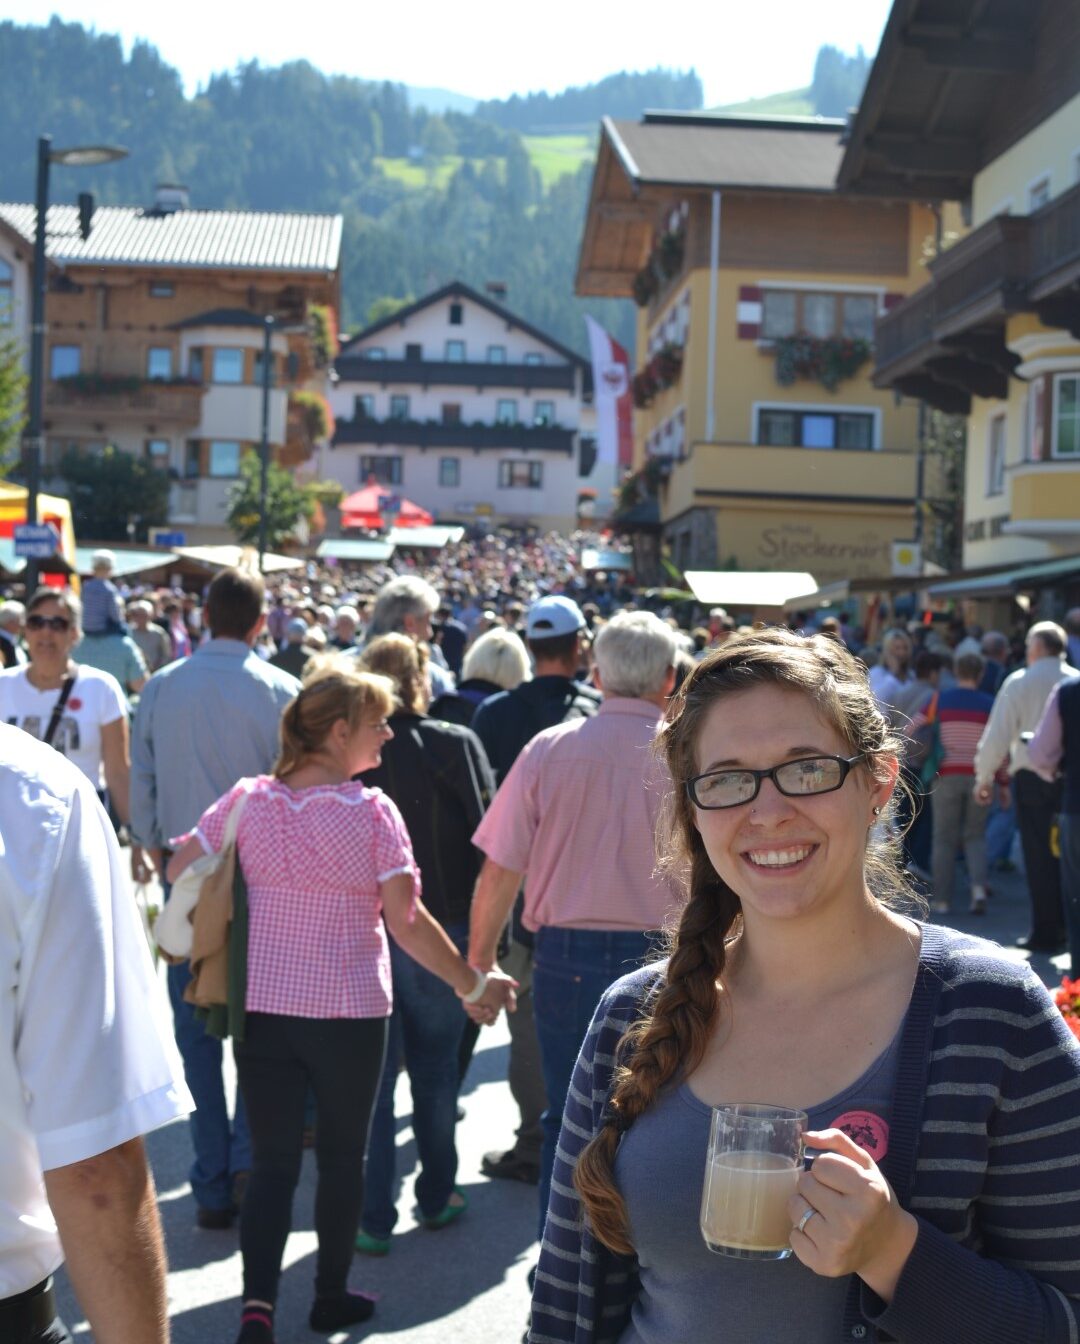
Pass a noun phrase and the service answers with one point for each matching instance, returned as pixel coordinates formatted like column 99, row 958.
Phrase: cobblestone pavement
column 465, row 1284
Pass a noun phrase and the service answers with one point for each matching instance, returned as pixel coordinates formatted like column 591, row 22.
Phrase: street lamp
column 78, row 156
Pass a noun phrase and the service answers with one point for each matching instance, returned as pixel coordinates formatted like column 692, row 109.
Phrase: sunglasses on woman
column 794, row 779
column 57, row 623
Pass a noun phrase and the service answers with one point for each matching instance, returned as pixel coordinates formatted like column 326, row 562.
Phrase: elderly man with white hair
column 12, row 616
column 405, row 606
column 576, row 817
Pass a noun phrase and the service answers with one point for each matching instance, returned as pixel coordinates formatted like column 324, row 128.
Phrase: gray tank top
column 689, row 1293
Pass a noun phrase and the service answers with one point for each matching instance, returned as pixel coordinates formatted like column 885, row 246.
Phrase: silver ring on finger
column 800, row 1226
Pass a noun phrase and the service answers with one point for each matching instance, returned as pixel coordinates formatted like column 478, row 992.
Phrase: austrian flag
column 611, row 383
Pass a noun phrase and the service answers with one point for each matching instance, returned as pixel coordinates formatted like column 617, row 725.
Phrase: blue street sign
column 169, row 539
column 36, row 541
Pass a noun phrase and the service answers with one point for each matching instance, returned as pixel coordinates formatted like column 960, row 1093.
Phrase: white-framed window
column 455, row 352
column 399, row 406
column 995, row 457
column 192, row 468
column 385, row 470
column 1039, row 194
column 799, row 427
column 496, row 354
column 450, row 472
column 257, row 375
column 159, row 363
column 195, row 365
column 162, row 289
column 506, row 411
column 65, row 361
column 819, row 313
column 521, row 475
column 227, row 365
column 374, row 352
column 1066, row 429
column 534, row 357
column 7, row 294
column 224, row 458
column 543, row 412
column 364, row 406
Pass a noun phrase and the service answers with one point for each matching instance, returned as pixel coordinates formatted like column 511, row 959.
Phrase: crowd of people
column 495, row 782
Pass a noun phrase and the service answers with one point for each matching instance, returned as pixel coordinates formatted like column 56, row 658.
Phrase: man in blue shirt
column 203, row 723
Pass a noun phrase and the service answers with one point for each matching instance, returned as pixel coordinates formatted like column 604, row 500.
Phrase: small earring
column 877, row 811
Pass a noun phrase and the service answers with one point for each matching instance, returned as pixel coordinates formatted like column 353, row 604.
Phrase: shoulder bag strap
column 58, row 711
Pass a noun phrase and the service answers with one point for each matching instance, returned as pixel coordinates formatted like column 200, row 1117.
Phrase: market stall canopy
column 747, row 588
column 367, row 508
column 1007, row 581
column 364, row 552
column 429, row 538
column 127, row 562
column 592, row 559
column 229, row 557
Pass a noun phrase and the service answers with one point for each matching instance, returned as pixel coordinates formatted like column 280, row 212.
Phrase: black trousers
column 1037, row 803
column 341, row 1060
column 30, row 1317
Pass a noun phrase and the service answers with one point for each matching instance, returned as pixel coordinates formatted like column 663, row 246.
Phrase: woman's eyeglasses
column 794, row 779
column 57, row 623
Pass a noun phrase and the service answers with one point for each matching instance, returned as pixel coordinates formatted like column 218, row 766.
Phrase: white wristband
column 477, row 992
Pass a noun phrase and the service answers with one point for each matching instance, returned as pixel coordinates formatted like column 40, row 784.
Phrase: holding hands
column 846, row 1217
column 495, row 990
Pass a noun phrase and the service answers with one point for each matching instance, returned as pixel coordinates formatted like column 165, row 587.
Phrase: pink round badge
column 866, row 1129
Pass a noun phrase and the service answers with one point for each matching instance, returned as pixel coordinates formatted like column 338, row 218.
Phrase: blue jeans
column 1070, row 885
column 221, row 1149
column 1001, row 829
column 572, row 969
column 425, row 1031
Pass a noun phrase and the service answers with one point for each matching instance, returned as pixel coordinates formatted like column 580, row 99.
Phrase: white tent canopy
column 431, row 538
column 229, row 557
column 743, row 589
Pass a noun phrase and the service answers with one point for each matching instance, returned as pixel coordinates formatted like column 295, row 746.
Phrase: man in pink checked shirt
column 576, row 816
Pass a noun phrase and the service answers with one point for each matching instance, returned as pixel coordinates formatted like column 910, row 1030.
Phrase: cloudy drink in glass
column 753, row 1163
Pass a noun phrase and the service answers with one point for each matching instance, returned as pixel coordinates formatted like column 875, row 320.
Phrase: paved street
column 464, row 1283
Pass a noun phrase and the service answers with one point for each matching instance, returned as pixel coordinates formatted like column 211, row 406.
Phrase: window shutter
column 1040, row 419
column 749, row 312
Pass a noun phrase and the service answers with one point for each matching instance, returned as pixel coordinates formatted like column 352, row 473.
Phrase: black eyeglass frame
column 846, row 763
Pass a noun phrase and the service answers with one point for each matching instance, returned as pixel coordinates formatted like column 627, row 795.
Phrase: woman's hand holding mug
column 846, row 1218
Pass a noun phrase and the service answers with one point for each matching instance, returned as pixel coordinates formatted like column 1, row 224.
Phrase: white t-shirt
column 87, row 1057
column 95, row 699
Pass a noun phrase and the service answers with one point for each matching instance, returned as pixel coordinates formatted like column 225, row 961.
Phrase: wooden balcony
column 425, row 434
column 425, row 373
column 176, row 404
column 1055, row 262
column 981, row 278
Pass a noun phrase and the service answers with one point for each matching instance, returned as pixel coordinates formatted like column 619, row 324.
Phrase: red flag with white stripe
column 611, row 389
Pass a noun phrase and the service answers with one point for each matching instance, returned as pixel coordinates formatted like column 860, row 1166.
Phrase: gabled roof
column 703, row 150
column 456, row 289
column 952, row 87
column 225, row 239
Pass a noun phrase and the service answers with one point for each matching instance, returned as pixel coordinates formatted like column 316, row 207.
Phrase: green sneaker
column 372, row 1245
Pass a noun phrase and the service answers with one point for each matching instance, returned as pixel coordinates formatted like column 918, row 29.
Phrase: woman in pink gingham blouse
column 329, row 869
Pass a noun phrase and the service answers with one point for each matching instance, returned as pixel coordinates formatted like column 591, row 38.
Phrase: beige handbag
column 206, row 878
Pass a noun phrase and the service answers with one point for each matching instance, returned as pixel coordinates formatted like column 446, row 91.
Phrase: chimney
column 169, row 197
column 498, row 289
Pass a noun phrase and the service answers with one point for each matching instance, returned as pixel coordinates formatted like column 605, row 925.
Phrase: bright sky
column 492, row 48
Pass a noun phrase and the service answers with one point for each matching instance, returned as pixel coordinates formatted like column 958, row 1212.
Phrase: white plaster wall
column 479, row 328
column 1051, row 149
column 476, row 407
column 18, row 260
column 234, row 411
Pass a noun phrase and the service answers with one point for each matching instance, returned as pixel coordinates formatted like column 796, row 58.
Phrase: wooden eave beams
column 1007, row 55
column 915, row 152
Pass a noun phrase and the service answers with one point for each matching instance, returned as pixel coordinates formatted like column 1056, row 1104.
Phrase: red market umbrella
column 375, row 506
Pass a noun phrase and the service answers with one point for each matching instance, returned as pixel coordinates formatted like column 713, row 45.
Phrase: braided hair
column 669, row 1039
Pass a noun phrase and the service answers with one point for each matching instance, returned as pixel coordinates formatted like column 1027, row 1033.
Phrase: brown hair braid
column 670, row 1036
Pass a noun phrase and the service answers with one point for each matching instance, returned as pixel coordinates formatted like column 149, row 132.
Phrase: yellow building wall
column 1051, row 149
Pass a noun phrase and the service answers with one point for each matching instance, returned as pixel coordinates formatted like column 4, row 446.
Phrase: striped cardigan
column 984, row 1150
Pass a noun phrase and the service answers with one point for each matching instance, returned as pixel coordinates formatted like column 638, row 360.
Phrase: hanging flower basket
column 662, row 371
column 670, row 249
column 645, row 286
column 828, row 360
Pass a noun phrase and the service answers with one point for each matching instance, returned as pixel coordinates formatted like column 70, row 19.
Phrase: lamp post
column 264, row 443
column 81, row 156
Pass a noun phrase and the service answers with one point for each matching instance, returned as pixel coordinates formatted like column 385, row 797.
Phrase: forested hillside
column 622, row 95
column 426, row 197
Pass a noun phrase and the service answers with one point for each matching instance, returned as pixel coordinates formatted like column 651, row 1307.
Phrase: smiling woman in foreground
column 942, row 1088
